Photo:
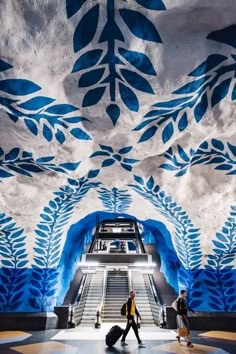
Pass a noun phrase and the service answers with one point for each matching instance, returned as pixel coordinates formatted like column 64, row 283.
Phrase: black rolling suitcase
column 113, row 335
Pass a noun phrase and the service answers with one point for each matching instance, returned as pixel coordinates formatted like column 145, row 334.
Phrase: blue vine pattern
column 14, row 259
column 213, row 80
column 38, row 113
column 115, row 201
column 49, row 232
column 220, row 278
column 23, row 162
column 128, row 81
column 214, row 152
column 187, row 236
column 115, row 157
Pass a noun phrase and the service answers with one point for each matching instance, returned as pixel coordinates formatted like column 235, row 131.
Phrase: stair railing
column 98, row 316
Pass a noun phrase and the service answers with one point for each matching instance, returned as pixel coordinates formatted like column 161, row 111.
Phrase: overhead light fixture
column 88, row 264
column 139, row 264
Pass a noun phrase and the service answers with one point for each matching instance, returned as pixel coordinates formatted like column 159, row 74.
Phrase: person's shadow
column 115, row 350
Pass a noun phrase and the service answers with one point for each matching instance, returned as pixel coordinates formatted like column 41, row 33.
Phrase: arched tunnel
column 117, row 109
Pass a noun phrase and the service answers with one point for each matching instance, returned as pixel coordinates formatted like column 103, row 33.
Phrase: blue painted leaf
column 211, row 62
column 168, row 167
column 152, row 4
column 224, row 167
column 7, row 263
column 36, row 103
column 60, row 136
column 201, row 108
column 232, row 148
column 226, row 35
column 183, row 122
column 91, row 78
column 144, row 123
column 138, row 179
column 128, row 97
column 86, row 29
column 99, row 153
column 182, row 154
column 30, row 167
column 219, row 244
column 220, row 92
column 73, row 6
column 80, row 134
column 110, row 32
column 22, row 264
column 125, row 150
column 150, row 183
column 126, row 167
column 172, row 103
column 31, row 126
column 47, row 133
column 70, row 166
column 127, row 160
column 75, row 119
column 4, row 65
column 191, row 86
column 45, row 159
column 93, row 173
column 114, row 112
column 87, row 60
column 140, row 25
column 93, row 96
column 137, row 81
column 108, row 162
column 233, row 96
column 217, row 144
column 148, row 134
column 12, row 155
column 139, row 60
column 61, row 109
column 19, row 170
column 167, row 132
column 18, row 87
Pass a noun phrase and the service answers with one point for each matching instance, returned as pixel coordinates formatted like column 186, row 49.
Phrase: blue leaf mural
column 84, row 33
column 21, row 162
column 196, row 93
column 140, row 25
column 111, row 62
column 48, row 240
column 215, row 152
column 220, row 278
column 116, row 201
column 14, row 259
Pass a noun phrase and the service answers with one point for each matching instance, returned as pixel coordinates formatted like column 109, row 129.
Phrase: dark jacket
column 129, row 305
column 183, row 307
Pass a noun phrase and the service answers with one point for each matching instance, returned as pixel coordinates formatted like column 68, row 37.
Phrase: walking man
column 183, row 309
column 131, row 311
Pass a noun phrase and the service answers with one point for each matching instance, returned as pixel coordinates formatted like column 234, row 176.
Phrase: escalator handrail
column 104, row 285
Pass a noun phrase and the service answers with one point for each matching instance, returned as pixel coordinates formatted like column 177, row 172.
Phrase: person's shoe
column 123, row 343
column 178, row 338
column 142, row 345
column 190, row 345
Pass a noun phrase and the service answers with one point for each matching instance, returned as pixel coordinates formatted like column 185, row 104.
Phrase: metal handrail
column 130, row 280
column 78, row 298
column 98, row 320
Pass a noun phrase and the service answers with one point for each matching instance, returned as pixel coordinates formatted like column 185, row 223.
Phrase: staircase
column 145, row 302
column 117, row 293
column 91, row 297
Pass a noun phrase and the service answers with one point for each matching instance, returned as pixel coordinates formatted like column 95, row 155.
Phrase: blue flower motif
column 115, row 157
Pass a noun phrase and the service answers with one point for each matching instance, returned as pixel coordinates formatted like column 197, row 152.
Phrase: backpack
column 174, row 305
column 123, row 309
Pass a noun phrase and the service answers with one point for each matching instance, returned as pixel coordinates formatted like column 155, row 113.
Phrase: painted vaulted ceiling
column 125, row 107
